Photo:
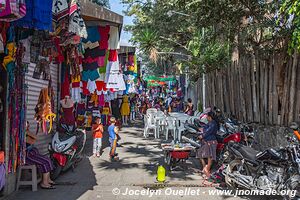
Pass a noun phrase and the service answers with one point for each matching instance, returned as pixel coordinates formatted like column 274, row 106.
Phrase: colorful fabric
column 43, row 163
column 38, row 15
column 94, row 53
column 90, row 75
column 84, row 89
column 102, row 70
column 113, row 55
column 104, row 35
column 68, row 117
column 13, row 10
column 125, row 107
column 60, row 9
column 93, row 34
column 65, row 86
column 76, row 23
column 114, row 39
column 101, row 86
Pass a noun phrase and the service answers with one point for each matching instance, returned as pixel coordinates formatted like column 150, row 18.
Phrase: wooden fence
column 264, row 91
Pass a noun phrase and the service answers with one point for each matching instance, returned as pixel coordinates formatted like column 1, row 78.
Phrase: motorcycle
column 228, row 133
column 271, row 169
column 66, row 149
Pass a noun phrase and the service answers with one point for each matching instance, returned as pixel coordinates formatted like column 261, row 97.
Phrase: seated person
column 43, row 163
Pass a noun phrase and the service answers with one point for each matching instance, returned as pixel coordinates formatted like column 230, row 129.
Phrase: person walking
column 97, row 135
column 113, row 131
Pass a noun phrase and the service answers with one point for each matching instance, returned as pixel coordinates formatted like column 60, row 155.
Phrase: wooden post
column 275, row 93
column 293, row 88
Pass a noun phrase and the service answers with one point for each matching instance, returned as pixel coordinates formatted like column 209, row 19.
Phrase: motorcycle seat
column 248, row 153
column 63, row 136
column 191, row 126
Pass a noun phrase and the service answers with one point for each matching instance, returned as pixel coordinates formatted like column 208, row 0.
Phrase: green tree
column 288, row 19
column 104, row 3
column 177, row 27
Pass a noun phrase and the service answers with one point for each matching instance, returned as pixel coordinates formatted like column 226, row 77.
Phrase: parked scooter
column 229, row 132
column 275, row 169
column 66, row 149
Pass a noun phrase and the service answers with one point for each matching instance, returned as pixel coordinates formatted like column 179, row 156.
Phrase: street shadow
column 117, row 165
column 73, row 184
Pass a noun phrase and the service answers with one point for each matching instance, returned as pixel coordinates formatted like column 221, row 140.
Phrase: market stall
column 48, row 52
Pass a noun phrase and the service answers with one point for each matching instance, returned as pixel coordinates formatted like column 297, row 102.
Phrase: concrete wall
column 270, row 136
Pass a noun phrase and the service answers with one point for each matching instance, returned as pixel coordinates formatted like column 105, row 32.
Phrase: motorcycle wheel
column 54, row 174
column 235, row 165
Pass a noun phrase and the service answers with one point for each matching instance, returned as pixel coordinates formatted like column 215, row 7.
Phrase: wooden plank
column 266, row 84
column 230, row 88
column 253, row 69
column 236, row 84
column 249, row 108
column 257, row 77
column 275, row 93
column 261, row 82
column 242, row 89
column 226, row 80
column 297, row 110
column 270, row 93
column 284, row 107
column 292, row 88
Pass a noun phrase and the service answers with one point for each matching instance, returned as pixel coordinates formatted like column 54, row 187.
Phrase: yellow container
column 161, row 174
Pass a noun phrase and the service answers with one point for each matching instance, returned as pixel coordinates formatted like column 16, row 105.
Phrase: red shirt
column 97, row 131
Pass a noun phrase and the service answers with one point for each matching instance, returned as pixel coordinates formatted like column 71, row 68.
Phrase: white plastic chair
column 151, row 110
column 170, row 126
column 150, row 124
column 180, row 127
column 160, row 125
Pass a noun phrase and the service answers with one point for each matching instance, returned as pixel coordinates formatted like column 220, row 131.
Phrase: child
column 97, row 135
column 113, row 131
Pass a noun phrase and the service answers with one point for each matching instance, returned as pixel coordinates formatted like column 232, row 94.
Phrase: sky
column 117, row 7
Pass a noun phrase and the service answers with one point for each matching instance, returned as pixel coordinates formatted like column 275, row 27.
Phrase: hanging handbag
column 14, row 9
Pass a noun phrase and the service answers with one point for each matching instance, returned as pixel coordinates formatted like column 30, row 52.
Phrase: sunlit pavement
column 132, row 177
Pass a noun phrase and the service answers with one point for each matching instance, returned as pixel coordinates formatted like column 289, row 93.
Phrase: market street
column 96, row 178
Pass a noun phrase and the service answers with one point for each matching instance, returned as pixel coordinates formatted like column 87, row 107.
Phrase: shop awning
column 93, row 12
column 160, row 78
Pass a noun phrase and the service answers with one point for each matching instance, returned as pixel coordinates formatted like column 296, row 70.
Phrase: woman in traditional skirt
column 42, row 163
column 209, row 144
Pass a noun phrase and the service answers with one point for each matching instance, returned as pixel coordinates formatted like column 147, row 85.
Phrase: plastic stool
column 34, row 179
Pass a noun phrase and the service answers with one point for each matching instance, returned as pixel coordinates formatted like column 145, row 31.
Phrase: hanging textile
column 76, row 23
column 16, row 115
column 114, row 39
column 38, row 15
column 13, row 10
column 60, row 9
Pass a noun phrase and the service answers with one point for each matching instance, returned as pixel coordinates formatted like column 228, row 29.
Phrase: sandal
column 53, row 183
column 51, row 187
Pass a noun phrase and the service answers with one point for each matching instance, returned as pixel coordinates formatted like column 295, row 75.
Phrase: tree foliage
column 289, row 19
column 104, row 3
column 201, row 34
